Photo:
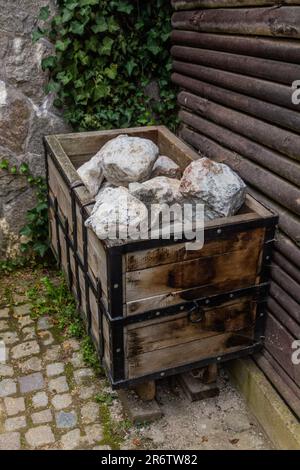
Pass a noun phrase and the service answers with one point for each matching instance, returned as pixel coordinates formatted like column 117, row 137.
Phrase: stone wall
column 26, row 112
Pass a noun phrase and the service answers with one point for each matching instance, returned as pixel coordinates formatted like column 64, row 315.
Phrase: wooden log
column 285, row 300
column 146, row 390
column 275, row 162
column 192, row 4
column 288, row 248
column 285, row 50
column 281, row 21
column 272, row 70
column 281, row 381
column 279, row 344
column 259, row 109
column 262, row 89
column 270, row 184
column 287, row 221
column 287, row 266
column 283, row 316
column 278, row 139
column 285, row 281
column 210, row 374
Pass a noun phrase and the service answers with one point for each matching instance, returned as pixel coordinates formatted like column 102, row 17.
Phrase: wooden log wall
column 235, row 68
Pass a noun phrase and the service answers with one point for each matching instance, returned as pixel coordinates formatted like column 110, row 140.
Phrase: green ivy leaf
column 13, row 170
column 48, row 62
column 24, row 169
column 62, row 45
column 4, row 164
column 100, row 26
column 101, row 90
column 106, row 46
column 124, row 7
column 111, row 72
column 67, row 15
column 40, row 248
column 88, row 2
column 26, row 231
column 38, row 34
column 77, row 28
column 129, row 66
column 44, row 13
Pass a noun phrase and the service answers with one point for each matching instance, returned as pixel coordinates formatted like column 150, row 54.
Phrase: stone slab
column 137, row 410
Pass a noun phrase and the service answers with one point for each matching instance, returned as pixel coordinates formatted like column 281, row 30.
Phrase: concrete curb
column 278, row 422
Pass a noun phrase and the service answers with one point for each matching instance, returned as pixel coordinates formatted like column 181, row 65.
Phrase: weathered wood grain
column 280, row 22
column 285, row 50
column 192, row 4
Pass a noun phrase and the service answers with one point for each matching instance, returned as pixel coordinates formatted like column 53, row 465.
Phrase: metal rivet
column 182, row 307
column 267, row 257
column 162, row 374
column 207, row 301
column 116, row 286
column 219, row 231
column 231, row 295
column 218, row 358
column 261, row 314
column 157, row 314
column 118, row 350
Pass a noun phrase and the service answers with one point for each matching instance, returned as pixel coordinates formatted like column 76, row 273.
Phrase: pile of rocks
column 129, row 175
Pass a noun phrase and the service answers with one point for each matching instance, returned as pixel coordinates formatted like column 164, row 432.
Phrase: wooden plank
column 285, row 281
column 175, row 253
column 288, row 248
column 256, row 153
column 89, row 143
column 269, row 112
column 262, row 132
column 287, row 266
column 272, row 185
column 174, row 148
column 96, row 256
column 289, row 391
column 192, row 4
column 283, row 316
column 228, row 267
column 264, row 90
column 285, row 300
column 273, row 70
column 288, row 223
column 179, row 329
column 279, row 344
column 281, row 21
column 58, row 189
column 285, row 50
column 187, row 353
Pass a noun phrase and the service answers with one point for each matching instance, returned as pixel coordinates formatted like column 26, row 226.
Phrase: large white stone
column 160, row 189
column 164, row 166
column 91, row 173
column 117, row 209
column 215, row 185
column 127, row 159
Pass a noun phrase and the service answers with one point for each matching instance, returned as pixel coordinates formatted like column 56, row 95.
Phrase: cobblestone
column 14, row 424
column 9, row 337
column 32, row 364
column 39, row 436
column 7, row 387
column 10, row 441
column 32, row 382
column 3, row 325
column 22, row 310
column 14, row 406
column 61, row 401
column 25, row 349
column 41, row 417
column 66, row 419
column 90, row 412
column 59, row 385
column 39, row 400
column 71, row 439
column 6, row 371
column 56, row 368
column 4, row 313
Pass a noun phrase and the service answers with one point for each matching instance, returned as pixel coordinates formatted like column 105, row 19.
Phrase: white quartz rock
column 157, row 190
column 105, row 184
column 118, row 214
column 215, row 185
column 127, row 159
column 91, row 173
column 164, row 166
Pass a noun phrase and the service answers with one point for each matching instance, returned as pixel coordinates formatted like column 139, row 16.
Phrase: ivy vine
column 35, row 231
column 106, row 54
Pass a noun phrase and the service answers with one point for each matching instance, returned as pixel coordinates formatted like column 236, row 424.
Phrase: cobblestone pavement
column 47, row 400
